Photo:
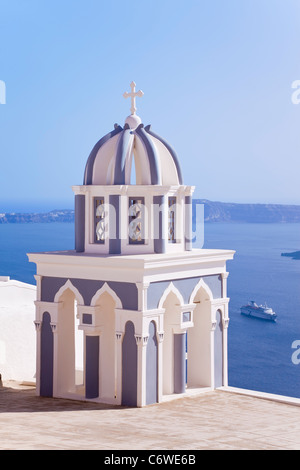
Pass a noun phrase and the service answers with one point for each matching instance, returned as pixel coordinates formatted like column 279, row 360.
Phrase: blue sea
column 259, row 352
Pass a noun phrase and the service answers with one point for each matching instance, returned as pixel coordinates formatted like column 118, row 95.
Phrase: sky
column 217, row 79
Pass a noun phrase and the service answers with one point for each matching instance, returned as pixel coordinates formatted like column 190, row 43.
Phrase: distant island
column 248, row 213
column 293, row 255
column 66, row 215
column 213, row 212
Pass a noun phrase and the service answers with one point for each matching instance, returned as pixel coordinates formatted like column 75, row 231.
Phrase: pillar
column 141, row 342
column 188, row 235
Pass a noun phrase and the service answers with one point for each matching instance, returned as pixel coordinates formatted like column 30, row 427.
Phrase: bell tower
column 114, row 215
column 146, row 313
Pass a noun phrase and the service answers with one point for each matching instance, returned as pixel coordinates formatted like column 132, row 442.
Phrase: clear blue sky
column 216, row 75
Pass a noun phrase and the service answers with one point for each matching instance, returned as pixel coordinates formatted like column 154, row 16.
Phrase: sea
column 260, row 353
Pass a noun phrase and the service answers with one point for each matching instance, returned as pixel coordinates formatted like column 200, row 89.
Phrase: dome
column 111, row 159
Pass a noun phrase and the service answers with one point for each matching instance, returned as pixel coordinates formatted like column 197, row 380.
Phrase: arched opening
column 105, row 319
column 199, row 342
column 70, row 349
column 171, row 318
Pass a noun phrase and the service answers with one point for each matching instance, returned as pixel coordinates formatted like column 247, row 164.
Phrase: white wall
column 17, row 331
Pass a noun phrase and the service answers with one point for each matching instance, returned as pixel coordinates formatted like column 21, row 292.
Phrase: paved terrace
column 213, row 420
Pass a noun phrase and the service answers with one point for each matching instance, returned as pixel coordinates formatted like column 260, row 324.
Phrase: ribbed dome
column 110, row 161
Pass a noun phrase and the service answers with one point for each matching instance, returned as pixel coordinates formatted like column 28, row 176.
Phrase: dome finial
column 132, row 95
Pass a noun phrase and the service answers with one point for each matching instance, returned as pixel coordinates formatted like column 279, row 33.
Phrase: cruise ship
column 262, row 311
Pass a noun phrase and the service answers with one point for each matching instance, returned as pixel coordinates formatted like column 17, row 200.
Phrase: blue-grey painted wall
column 129, row 366
column 152, row 366
column 79, row 222
column 185, row 287
column 46, row 377
column 126, row 291
column 92, row 346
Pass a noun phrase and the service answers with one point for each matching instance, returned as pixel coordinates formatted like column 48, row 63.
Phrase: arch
column 110, row 291
column 218, row 309
column 198, row 286
column 69, row 285
column 129, row 366
column 170, row 288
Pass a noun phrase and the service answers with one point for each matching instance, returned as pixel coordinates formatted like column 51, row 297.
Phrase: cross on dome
column 133, row 95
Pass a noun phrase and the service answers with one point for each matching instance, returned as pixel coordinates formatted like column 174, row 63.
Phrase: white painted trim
column 170, row 288
column 262, row 395
column 69, row 285
column 110, row 291
column 200, row 284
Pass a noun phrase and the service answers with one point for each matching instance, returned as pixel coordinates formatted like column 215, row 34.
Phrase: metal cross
column 132, row 95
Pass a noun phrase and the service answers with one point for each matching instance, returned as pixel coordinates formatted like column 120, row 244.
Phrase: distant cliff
column 45, row 217
column 213, row 212
column 249, row 213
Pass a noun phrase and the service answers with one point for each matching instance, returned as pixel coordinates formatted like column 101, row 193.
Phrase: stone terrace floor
column 214, row 420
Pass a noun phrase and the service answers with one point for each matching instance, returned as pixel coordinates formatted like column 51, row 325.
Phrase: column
column 38, row 324
column 188, row 235
column 160, row 338
column 225, row 344
column 141, row 342
column 118, row 366
column 224, row 284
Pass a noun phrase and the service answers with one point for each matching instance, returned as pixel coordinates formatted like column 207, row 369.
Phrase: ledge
column 263, row 395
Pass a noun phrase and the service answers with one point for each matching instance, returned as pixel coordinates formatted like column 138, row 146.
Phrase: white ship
column 262, row 311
